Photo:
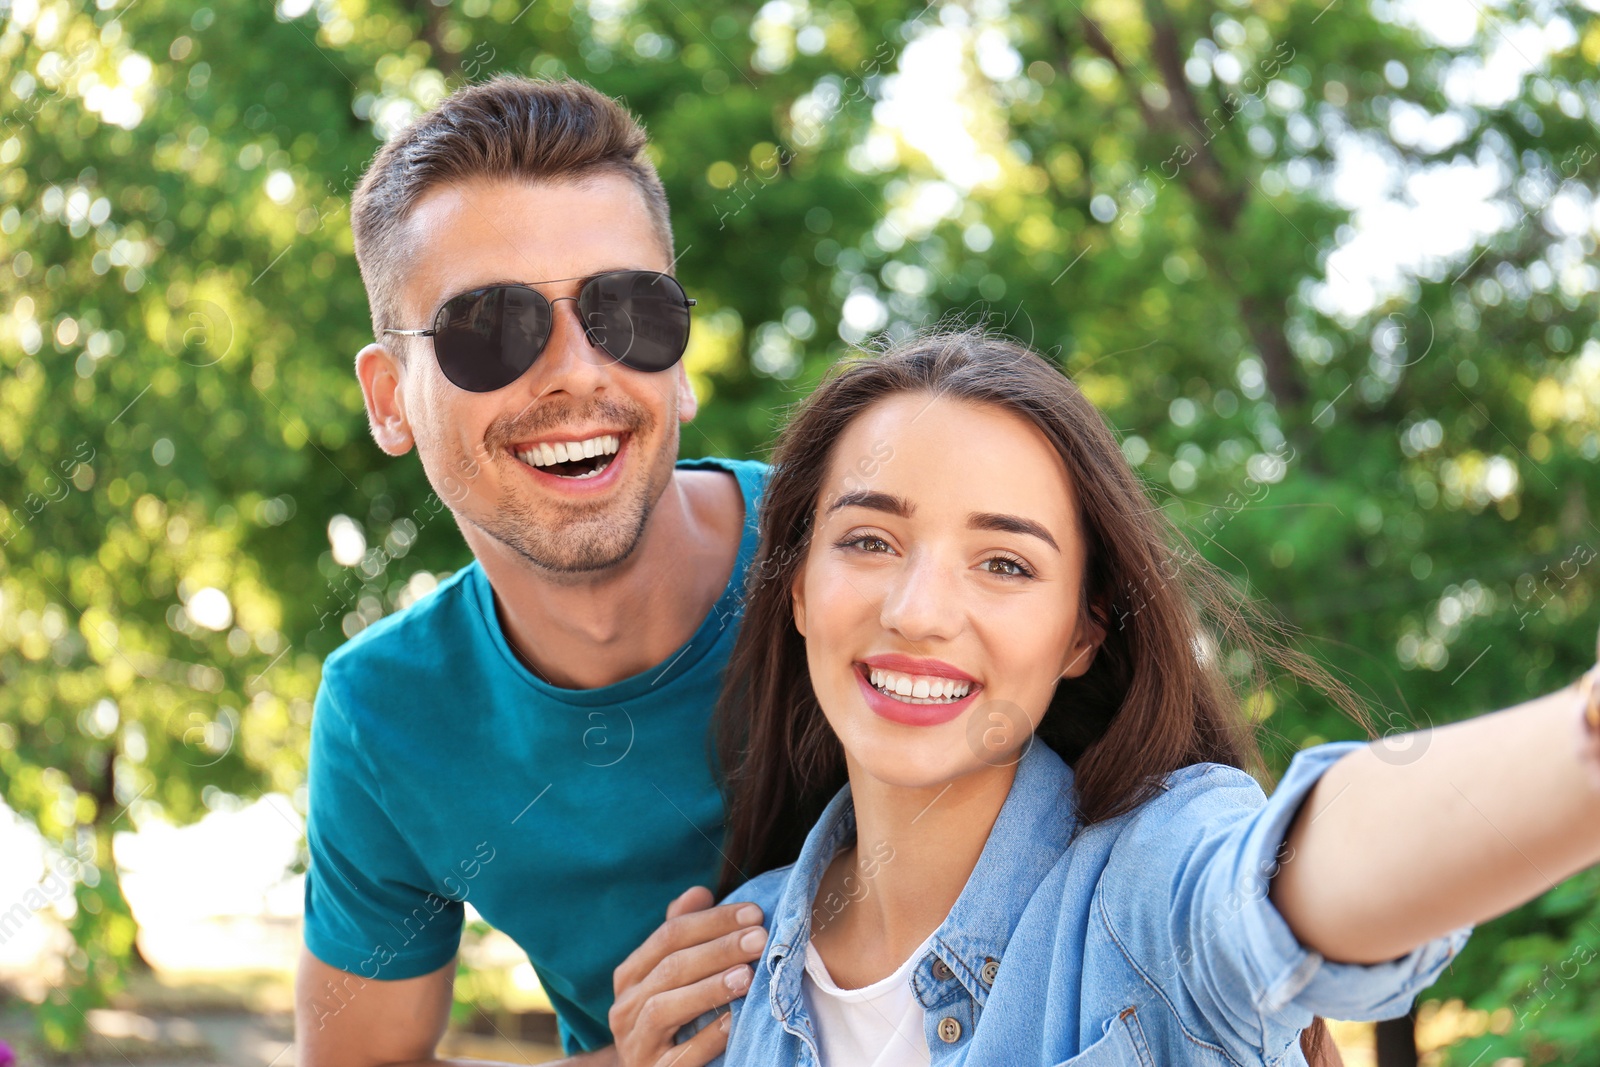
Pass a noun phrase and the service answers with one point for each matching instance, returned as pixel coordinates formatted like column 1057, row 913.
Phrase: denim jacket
column 1143, row 940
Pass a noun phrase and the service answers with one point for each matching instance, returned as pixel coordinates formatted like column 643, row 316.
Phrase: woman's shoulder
column 1185, row 799
column 1205, row 823
column 763, row 891
column 1204, row 796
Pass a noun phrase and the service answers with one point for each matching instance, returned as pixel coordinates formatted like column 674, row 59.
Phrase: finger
column 678, row 933
column 667, row 1012
column 682, row 932
column 700, row 1049
column 698, row 968
column 695, row 898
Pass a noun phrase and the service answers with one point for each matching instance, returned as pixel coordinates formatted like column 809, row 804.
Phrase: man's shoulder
column 408, row 636
column 750, row 472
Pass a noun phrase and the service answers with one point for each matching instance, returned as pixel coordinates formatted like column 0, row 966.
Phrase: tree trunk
column 1397, row 1041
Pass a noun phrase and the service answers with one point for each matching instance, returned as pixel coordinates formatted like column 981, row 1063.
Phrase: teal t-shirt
column 443, row 771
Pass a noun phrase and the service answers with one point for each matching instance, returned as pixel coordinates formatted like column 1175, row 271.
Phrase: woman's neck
column 915, row 849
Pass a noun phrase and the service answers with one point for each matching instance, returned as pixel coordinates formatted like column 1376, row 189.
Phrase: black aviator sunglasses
column 485, row 339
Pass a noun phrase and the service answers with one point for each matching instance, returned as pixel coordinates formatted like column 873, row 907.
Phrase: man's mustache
column 510, row 429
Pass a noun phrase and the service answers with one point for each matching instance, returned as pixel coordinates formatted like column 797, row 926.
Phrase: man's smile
column 576, row 473
column 571, row 458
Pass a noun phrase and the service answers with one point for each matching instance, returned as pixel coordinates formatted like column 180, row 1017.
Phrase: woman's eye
column 866, row 543
column 1009, row 568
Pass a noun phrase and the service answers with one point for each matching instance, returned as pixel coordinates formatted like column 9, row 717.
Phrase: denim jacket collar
column 1027, row 840
column 1148, row 938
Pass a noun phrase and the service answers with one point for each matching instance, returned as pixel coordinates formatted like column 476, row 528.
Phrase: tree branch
column 1221, row 202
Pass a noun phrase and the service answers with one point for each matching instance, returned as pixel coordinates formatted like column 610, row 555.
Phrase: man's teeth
column 918, row 688
column 545, row 454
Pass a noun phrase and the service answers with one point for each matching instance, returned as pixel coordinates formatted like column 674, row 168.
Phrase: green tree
column 1414, row 473
column 185, row 446
column 183, row 435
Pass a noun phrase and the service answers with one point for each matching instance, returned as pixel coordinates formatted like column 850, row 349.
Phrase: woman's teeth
column 918, row 688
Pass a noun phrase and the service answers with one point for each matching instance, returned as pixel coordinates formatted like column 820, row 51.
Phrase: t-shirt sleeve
column 370, row 907
column 1191, row 910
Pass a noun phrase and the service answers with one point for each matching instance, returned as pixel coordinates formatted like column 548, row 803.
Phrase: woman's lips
column 899, row 711
column 916, row 665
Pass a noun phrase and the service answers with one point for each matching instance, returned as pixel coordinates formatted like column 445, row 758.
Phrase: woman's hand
column 694, row 962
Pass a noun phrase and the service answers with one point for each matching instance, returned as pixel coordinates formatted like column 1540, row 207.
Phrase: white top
column 880, row 1025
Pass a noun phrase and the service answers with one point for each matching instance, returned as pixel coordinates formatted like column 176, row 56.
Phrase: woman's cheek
column 1026, row 645
column 846, row 596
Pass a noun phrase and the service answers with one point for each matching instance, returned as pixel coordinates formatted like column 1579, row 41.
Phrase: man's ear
column 382, row 381
column 688, row 403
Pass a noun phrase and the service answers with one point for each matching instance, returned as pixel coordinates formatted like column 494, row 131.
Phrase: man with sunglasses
column 530, row 738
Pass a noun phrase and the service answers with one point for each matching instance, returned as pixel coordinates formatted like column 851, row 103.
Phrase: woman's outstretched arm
column 1388, row 853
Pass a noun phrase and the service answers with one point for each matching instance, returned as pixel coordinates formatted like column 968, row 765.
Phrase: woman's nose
column 923, row 600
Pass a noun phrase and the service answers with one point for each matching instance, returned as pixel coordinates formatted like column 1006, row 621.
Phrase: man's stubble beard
column 583, row 539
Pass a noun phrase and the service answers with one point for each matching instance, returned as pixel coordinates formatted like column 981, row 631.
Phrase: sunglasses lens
column 487, row 338
column 639, row 317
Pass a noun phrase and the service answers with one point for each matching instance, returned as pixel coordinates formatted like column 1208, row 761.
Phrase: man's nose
column 570, row 363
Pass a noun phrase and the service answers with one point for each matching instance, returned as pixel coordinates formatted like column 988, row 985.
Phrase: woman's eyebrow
column 873, row 500
column 988, row 520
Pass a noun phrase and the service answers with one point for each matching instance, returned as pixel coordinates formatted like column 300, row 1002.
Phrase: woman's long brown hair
column 1162, row 693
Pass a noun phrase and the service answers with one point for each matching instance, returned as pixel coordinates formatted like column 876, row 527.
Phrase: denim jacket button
column 991, row 967
column 949, row 1030
column 942, row 971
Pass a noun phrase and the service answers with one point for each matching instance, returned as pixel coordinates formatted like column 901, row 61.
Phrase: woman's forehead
column 955, row 454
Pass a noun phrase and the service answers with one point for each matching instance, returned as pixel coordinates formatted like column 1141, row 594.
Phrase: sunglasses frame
column 588, row 331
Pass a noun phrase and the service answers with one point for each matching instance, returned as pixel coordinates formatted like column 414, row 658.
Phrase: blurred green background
column 1328, row 267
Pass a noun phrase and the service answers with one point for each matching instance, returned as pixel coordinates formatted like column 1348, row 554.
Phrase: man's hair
column 509, row 128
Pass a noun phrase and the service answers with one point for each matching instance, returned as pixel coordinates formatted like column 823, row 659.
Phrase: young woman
column 983, row 670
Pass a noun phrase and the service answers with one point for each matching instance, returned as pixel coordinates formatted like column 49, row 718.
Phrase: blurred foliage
column 1152, row 201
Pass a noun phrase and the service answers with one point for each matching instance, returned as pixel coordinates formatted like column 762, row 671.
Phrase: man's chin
column 571, row 544
column 580, row 535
